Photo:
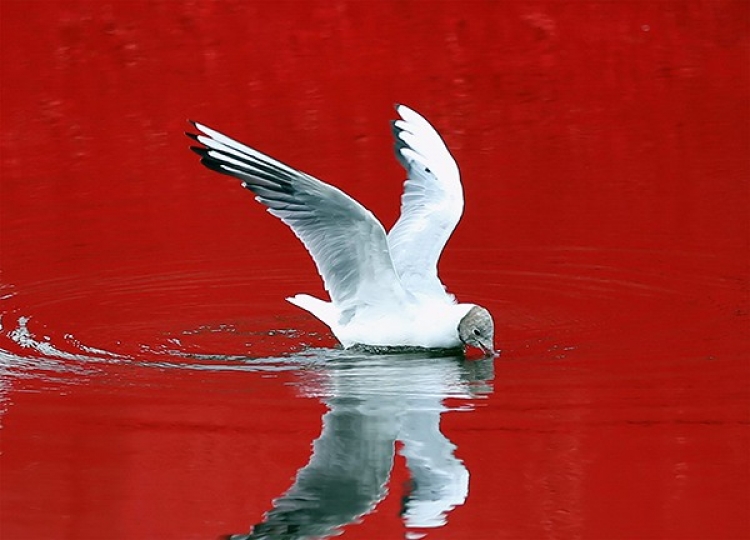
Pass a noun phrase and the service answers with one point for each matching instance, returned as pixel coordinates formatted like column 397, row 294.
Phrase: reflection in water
column 374, row 402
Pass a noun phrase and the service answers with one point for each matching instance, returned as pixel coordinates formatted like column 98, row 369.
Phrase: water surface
column 154, row 382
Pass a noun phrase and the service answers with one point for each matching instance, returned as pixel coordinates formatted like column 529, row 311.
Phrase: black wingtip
column 212, row 164
column 202, row 152
column 192, row 135
column 396, row 130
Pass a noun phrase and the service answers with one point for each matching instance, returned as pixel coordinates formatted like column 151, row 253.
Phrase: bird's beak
column 488, row 349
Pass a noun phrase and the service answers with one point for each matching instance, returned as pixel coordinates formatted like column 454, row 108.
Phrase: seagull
column 384, row 288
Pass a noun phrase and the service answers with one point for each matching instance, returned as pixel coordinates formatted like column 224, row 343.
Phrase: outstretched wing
column 347, row 243
column 431, row 205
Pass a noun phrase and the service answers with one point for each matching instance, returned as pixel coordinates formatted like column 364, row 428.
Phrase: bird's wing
column 347, row 243
column 431, row 205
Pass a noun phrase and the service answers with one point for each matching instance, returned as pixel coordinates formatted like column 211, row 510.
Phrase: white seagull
column 384, row 288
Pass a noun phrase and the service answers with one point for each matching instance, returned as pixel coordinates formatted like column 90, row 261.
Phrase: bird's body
column 384, row 289
column 431, row 324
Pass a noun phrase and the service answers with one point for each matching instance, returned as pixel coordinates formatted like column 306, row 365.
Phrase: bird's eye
column 476, row 331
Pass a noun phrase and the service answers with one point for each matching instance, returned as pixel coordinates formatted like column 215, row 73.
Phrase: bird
column 384, row 288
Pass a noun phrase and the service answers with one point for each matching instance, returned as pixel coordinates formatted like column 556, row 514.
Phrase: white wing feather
column 431, row 205
column 347, row 243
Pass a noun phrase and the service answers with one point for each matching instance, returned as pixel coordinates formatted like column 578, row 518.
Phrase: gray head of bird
column 477, row 330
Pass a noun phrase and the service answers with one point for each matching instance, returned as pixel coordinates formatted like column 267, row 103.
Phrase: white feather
column 431, row 205
column 384, row 289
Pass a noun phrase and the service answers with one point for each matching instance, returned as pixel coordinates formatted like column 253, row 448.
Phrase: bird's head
column 476, row 329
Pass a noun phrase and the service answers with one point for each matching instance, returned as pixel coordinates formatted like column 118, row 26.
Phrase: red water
column 604, row 154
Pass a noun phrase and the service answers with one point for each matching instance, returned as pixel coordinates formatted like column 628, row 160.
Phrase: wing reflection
column 375, row 401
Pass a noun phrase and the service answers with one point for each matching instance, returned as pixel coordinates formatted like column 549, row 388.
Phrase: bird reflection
column 375, row 402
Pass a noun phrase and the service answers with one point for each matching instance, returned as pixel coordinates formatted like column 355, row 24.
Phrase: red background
column 604, row 153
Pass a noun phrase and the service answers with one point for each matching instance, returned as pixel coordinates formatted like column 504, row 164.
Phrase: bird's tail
column 325, row 311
